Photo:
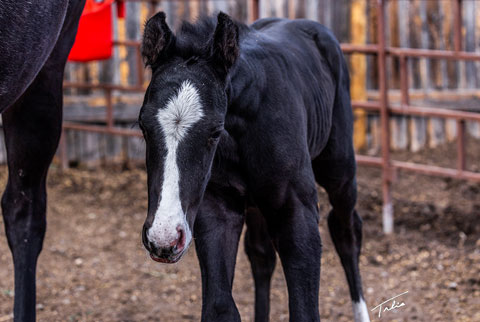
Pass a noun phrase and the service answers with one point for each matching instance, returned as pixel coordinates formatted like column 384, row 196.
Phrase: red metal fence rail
column 382, row 51
column 388, row 165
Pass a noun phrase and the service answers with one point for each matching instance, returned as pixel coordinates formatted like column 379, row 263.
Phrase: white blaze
column 181, row 112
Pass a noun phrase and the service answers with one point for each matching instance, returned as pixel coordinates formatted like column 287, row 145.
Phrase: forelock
column 182, row 110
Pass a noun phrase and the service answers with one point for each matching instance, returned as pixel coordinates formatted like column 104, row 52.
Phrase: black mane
column 194, row 39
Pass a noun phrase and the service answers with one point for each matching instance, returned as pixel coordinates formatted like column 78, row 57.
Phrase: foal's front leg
column 217, row 231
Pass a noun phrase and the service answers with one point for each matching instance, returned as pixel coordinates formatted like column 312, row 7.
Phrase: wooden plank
column 399, row 131
column 311, row 9
column 451, row 130
column 374, row 138
column 414, row 27
column 418, row 130
column 132, row 21
column 179, row 12
column 436, row 126
column 443, row 62
column 291, row 4
column 341, row 8
column 372, row 70
column 436, row 131
column 279, row 9
column 266, row 9
column 136, row 149
column 204, row 7
column 424, row 63
column 418, row 39
column 113, row 148
column 452, row 75
column 393, row 39
column 434, row 27
column 469, row 41
column 477, row 37
column 358, row 71
column 124, row 67
column 169, row 7
column 398, row 124
column 93, row 149
column 325, row 13
column 239, row 10
column 221, row 5
column 194, row 9
column 403, row 9
column 186, row 11
column 300, row 9
column 461, row 70
column 473, row 128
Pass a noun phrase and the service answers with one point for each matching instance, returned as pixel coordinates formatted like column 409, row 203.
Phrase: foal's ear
column 158, row 39
column 225, row 46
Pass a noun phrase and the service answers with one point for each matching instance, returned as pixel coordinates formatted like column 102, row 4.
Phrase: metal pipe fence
column 382, row 106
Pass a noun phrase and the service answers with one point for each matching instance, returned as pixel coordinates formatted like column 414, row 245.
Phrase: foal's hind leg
column 262, row 256
column 345, row 225
column 289, row 204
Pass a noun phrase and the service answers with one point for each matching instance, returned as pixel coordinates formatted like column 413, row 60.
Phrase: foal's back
column 294, row 68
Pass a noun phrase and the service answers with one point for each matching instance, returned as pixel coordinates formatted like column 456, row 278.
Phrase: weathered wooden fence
column 415, row 23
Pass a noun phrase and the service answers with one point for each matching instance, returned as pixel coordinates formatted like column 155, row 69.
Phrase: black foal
column 240, row 115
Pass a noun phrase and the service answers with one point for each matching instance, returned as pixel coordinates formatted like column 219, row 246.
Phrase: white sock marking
column 181, row 112
column 360, row 311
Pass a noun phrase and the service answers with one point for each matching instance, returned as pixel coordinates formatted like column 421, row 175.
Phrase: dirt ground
column 93, row 267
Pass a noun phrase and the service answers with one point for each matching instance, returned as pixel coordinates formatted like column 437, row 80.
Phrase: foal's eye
column 214, row 136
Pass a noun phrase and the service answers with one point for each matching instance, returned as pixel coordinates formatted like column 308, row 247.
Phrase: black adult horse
column 35, row 39
column 239, row 123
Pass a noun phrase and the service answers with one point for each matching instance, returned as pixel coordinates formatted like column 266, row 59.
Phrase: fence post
column 358, row 72
column 387, row 210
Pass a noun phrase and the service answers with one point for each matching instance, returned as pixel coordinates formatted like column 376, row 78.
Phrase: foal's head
column 182, row 120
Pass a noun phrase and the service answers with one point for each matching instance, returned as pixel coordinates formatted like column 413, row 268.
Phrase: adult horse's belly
column 28, row 33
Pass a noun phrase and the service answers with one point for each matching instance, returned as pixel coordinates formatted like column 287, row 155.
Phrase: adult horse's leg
column 217, row 231
column 32, row 129
column 262, row 256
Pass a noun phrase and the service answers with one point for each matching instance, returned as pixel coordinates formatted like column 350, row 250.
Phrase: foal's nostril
column 180, row 243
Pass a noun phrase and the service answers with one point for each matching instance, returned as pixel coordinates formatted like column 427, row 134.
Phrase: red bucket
column 94, row 36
